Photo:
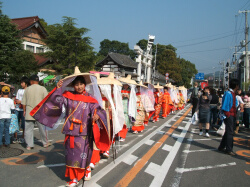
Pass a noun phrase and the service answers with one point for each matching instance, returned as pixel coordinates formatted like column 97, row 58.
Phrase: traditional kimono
column 149, row 102
column 140, row 116
column 158, row 104
column 181, row 102
column 96, row 152
column 166, row 104
column 127, row 125
column 77, row 110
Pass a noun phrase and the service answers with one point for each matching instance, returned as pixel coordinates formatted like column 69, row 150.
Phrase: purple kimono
column 79, row 128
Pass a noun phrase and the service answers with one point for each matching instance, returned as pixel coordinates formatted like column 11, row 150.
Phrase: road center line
column 125, row 181
column 95, row 178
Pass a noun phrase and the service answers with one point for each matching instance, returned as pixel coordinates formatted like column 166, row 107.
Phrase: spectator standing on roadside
column 33, row 95
column 204, row 110
column 195, row 98
column 240, row 109
column 19, row 108
column 246, row 113
column 6, row 105
column 229, row 105
column 213, row 108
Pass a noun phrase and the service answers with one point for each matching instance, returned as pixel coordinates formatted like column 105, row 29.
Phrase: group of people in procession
column 216, row 108
column 95, row 113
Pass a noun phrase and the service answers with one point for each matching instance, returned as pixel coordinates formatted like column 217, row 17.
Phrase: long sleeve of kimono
column 48, row 111
column 100, row 130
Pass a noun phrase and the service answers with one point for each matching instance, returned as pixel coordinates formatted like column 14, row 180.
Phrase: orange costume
column 158, row 103
column 166, row 104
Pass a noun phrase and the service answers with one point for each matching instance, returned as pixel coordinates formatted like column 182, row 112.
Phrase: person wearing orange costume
column 166, row 102
column 158, row 102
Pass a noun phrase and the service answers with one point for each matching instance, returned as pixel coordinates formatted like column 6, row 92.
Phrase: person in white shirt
column 6, row 105
column 19, row 108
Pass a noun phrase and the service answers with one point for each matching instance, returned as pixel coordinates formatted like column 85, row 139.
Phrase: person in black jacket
column 213, row 108
column 195, row 98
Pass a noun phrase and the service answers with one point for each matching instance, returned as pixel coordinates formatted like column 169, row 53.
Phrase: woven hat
column 109, row 80
column 158, row 86
column 128, row 80
column 168, row 85
column 140, row 84
column 181, row 88
column 6, row 89
column 78, row 73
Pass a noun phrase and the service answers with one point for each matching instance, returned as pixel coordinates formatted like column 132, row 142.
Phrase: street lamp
column 77, row 40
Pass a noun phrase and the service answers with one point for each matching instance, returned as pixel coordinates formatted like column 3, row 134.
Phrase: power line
column 204, row 51
column 205, row 37
column 206, row 41
column 244, row 5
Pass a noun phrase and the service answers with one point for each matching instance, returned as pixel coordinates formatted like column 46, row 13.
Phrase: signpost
column 199, row 76
column 226, row 76
column 167, row 78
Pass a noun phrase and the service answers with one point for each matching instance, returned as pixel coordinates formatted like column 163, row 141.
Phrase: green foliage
column 188, row 70
column 14, row 61
column 167, row 63
column 107, row 46
column 65, row 50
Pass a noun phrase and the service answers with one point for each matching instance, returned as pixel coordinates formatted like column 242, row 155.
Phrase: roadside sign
column 199, row 76
column 167, row 78
column 167, row 74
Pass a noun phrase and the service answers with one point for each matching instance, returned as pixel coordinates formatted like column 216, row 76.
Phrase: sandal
column 29, row 148
column 71, row 183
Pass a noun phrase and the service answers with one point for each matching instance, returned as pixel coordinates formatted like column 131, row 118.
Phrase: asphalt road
column 167, row 153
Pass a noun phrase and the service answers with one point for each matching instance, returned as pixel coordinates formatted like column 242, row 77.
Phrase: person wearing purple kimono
column 84, row 119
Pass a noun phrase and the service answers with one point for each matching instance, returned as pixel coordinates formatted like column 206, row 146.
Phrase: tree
column 107, row 46
column 188, row 70
column 167, row 63
column 66, row 51
column 14, row 61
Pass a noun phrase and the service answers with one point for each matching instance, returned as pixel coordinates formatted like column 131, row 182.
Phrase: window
column 30, row 48
column 39, row 50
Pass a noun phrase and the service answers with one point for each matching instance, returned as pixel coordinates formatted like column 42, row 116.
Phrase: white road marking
column 175, row 135
column 205, row 139
column 160, row 172
column 161, row 132
column 200, row 150
column 130, row 159
column 182, row 170
column 177, row 177
column 149, row 142
column 51, row 165
column 104, row 171
column 167, row 147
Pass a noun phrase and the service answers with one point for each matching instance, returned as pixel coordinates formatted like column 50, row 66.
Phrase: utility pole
column 219, row 81
column 246, row 63
column 153, row 81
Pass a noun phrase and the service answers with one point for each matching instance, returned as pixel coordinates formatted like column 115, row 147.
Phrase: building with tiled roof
column 33, row 34
column 123, row 65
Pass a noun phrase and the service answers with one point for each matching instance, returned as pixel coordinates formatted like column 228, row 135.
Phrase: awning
column 45, row 80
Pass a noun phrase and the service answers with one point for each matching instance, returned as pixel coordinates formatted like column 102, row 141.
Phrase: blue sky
column 182, row 23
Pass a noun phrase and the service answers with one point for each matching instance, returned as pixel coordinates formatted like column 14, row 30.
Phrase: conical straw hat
column 158, row 86
column 128, row 80
column 109, row 80
column 78, row 73
column 168, row 85
column 140, row 84
column 181, row 88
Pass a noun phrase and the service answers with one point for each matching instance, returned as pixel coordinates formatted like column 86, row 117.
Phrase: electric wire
column 197, row 43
